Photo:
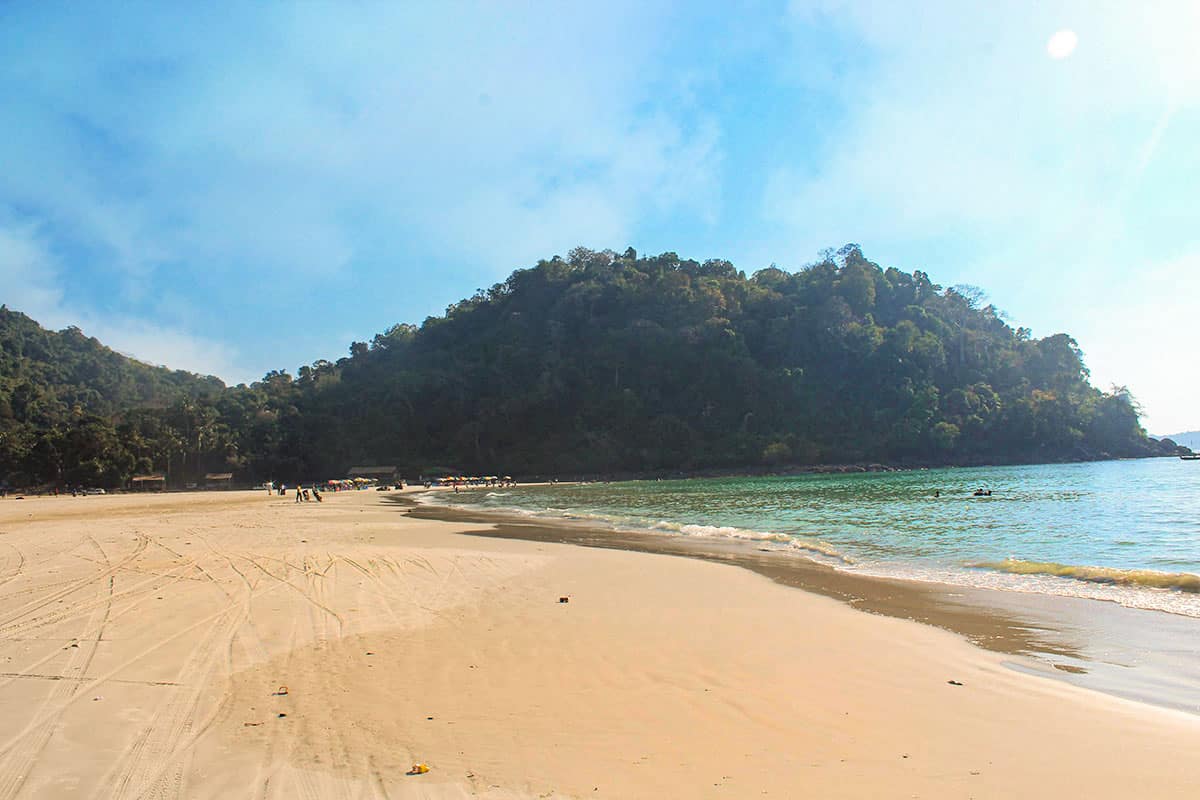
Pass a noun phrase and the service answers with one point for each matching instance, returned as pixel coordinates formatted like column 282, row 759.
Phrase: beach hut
column 218, row 480
column 148, row 483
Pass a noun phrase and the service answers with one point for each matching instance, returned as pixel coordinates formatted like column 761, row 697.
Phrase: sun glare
column 1062, row 44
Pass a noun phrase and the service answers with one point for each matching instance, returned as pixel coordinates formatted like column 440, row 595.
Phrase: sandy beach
column 240, row 645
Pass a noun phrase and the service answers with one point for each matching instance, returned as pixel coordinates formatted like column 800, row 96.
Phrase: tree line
column 598, row 363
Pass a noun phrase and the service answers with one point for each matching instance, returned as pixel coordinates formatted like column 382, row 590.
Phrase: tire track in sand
column 11, row 619
column 155, row 765
column 13, row 572
column 151, row 767
column 114, row 611
column 18, row 761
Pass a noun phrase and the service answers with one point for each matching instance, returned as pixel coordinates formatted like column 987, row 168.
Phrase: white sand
column 142, row 640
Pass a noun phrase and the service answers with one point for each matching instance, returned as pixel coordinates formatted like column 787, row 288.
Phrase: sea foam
column 814, row 549
column 1144, row 578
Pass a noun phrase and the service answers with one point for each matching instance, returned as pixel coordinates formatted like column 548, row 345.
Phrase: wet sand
column 236, row 645
column 1148, row 656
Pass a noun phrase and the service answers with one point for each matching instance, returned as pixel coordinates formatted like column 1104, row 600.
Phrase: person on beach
column 316, row 495
column 299, row 495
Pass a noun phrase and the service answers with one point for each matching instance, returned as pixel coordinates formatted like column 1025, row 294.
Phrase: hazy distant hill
column 1187, row 439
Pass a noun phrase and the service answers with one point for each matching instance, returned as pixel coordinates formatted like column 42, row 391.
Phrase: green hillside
column 60, row 394
column 603, row 363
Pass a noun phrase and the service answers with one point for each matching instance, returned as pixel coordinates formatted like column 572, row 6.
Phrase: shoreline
column 1096, row 644
column 743, row 471
column 832, row 468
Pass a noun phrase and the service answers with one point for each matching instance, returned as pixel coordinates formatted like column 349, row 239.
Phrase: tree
column 594, row 363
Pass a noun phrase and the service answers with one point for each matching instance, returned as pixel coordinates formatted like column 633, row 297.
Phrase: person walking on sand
column 299, row 494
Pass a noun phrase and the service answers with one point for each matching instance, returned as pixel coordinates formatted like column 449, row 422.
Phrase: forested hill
column 605, row 363
column 57, row 386
column 44, row 374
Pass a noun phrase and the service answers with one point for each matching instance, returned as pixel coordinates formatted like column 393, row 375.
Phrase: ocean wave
column 972, row 576
column 627, row 524
column 788, row 540
column 1140, row 578
column 821, row 548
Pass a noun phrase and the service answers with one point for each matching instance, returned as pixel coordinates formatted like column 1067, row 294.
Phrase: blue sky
column 245, row 187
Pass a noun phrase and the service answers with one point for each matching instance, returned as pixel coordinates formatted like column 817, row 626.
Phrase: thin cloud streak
column 32, row 279
column 292, row 154
column 268, row 177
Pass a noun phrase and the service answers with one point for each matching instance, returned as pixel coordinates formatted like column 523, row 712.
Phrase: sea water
column 1125, row 531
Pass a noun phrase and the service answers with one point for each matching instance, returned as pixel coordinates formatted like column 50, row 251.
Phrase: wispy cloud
column 27, row 273
column 31, row 277
column 279, row 147
column 959, row 119
column 960, row 142
column 270, row 176
column 300, row 130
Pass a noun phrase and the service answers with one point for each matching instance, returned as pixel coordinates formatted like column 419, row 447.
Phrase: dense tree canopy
column 595, row 363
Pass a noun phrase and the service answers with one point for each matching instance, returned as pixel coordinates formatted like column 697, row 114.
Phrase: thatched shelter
column 148, row 483
column 218, row 480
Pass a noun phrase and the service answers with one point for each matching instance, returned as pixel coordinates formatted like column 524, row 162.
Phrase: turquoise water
column 1138, row 522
